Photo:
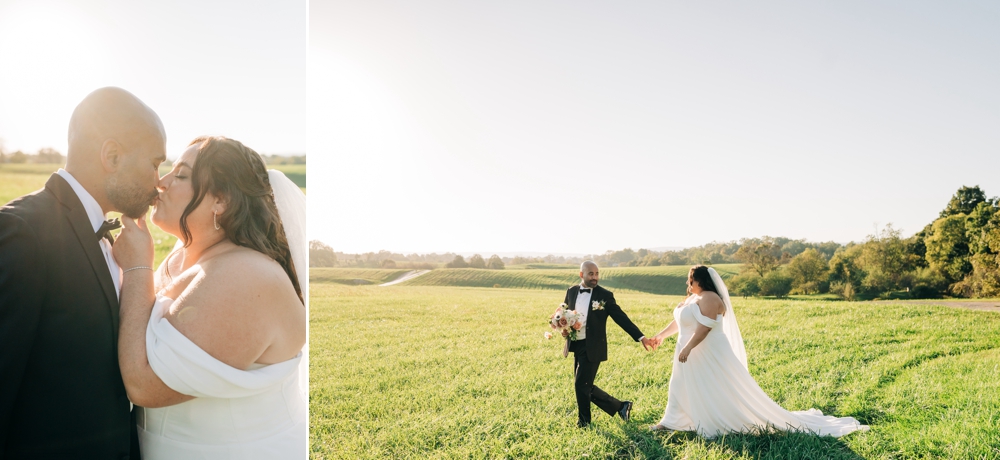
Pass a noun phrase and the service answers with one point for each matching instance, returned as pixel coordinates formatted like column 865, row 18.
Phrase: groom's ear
column 111, row 155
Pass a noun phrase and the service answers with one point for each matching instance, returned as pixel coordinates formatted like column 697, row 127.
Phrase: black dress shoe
column 626, row 411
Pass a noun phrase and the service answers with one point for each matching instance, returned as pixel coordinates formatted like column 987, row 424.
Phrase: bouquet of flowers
column 566, row 321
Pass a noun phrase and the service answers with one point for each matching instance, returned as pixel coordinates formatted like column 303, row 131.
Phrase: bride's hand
column 134, row 245
column 683, row 356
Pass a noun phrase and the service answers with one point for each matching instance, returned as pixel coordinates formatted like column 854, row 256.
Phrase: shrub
column 842, row 289
column 776, row 283
column 745, row 284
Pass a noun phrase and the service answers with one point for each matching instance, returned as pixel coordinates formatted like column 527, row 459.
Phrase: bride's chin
column 158, row 221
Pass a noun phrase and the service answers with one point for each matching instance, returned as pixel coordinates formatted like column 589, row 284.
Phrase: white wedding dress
column 713, row 393
column 260, row 413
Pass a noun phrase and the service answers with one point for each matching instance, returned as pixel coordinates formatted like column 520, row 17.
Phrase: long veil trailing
column 291, row 203
column 730, row 326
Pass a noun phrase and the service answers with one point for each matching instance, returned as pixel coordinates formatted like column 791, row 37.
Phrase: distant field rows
column 664, row 280
column 354, row 275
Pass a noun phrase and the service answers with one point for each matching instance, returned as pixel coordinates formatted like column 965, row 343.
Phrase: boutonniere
column 597, row 305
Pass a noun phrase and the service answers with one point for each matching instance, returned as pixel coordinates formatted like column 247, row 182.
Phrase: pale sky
column 232, row 68
column 584, row 126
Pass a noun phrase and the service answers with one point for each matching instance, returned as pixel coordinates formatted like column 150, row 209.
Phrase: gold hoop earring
column 214, row 215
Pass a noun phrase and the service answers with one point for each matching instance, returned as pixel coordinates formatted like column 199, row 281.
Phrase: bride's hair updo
column 230, row 170
column 700, row 274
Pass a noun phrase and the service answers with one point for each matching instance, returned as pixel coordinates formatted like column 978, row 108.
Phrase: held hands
column 650, row 344
column 134, row 245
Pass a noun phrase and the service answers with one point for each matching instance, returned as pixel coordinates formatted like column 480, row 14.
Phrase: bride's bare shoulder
column 711, row 304
column 244, row 268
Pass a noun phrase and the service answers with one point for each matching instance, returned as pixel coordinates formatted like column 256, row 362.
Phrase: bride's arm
column 699, row 335
column 710, row 307
column 668, row 331
column 134, row 248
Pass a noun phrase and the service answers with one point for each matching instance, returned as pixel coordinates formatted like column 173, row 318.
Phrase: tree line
column 42, row 156
column 322, row 255
column 957, row 254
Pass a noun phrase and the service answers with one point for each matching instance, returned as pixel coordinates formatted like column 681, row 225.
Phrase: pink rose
column 577, row 326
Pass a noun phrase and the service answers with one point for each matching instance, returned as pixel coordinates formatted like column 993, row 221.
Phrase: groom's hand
column 648, row 343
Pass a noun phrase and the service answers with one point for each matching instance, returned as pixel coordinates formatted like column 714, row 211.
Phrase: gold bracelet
column 137, row 268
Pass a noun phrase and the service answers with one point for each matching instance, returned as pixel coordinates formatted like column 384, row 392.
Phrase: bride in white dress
column 711, row 391
column 211, row 346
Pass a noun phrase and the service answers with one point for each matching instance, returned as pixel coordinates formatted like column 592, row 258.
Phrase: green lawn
column 20, row 179
column 456, row 372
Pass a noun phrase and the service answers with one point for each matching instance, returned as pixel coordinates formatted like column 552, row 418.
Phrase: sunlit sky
column 233, row 68
column 579, row 127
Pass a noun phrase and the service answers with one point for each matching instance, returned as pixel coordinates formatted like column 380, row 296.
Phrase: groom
column 61, row 391
column 590, row 348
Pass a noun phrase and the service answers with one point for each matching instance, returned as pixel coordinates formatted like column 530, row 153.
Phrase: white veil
column 291, row 203
column 729, row 325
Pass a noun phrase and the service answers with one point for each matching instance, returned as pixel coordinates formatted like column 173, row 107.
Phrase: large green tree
column 885, row 261
column 759, row 254
column 321, row 255
column 964, row 201
column 477, row 261
column 808, row 271
column 948, row 247
column 495, row 263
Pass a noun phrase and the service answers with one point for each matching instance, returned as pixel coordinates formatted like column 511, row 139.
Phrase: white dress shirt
column 97, row 217
column 583, row 308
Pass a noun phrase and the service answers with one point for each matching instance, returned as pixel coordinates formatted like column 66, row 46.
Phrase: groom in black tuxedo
column 61, row 391
column 596, row 304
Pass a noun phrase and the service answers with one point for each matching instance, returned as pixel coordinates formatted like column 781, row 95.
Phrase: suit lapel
column 574, row 292
column 77, row 217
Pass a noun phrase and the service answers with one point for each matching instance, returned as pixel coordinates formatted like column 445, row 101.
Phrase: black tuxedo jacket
column 61, row 391
column 597, row 320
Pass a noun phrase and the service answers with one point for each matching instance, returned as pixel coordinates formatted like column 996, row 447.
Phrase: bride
column 711, row 390
column 211, row 344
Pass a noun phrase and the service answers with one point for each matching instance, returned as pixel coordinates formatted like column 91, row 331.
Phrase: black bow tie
column 584, row 290
column 106, row 228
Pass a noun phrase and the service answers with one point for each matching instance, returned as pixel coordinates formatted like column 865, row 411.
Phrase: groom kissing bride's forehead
column 589, row 345
column 59, row 287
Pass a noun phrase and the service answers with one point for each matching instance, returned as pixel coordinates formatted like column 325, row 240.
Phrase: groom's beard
column 590, row 284
column 129, row 199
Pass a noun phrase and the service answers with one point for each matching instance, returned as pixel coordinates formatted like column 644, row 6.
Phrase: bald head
column 111, row 113
column 116, row 144
column 589, row 274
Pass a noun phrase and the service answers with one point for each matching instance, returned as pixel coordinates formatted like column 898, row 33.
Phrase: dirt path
column 406, row 277
column 981, row 305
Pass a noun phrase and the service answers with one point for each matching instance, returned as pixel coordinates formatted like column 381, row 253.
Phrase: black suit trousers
column 584, row 372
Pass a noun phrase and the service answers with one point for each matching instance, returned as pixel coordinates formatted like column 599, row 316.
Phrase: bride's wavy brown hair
column 228, row 169
column 700, row 274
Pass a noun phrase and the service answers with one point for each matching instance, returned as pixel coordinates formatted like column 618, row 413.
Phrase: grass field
column 413, row 371
column 20, row 179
